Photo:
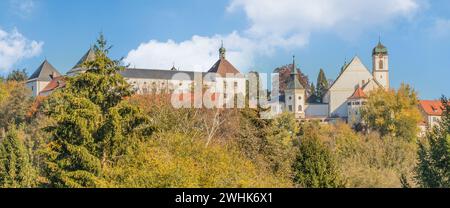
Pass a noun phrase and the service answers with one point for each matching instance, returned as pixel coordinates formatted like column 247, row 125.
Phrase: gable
column 353, row 75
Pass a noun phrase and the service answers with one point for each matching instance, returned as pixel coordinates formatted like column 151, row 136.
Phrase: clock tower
column 380, row 57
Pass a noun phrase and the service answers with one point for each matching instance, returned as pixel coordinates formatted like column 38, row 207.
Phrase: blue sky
column 259, row 35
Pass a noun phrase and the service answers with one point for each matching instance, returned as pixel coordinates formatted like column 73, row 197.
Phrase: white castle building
column 222, row 78
column 343, row 99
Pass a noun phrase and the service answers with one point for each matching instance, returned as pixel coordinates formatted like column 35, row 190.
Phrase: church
column 347, row 94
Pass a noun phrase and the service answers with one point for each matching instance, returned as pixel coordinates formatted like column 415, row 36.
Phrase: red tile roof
column 223, row 67
column 358, row 94
column 56, row 83
column 432, row 107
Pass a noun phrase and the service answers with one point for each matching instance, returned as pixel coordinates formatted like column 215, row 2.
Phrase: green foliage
column 14, row 103
column 17, row 75
column 322, row 85
column 393, row 113
column 16, row 170
column 93, row 124
column 433, row 170
column 315, row 165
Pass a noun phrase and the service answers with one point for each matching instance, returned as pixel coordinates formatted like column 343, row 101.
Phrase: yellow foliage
column 172, row 160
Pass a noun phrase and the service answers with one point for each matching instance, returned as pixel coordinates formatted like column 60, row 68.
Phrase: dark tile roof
column 44, row 71
column 157, row 74
column 88, row 56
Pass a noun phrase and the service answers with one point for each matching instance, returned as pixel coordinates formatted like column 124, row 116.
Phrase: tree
column 174, row 160
column 433, row 170
column 279, row 143
column 16, row 103
column 285, row 76
column 17, row 75
column 313, row 98
column 393, row 113
column 16, row 170
column 94, row 125
column 322, row 85
column 315, row 166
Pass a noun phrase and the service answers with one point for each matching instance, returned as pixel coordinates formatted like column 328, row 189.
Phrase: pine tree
column 16, row 170
column 322, row 85
column 94, row 124
column 433, row 170
column 315, row 166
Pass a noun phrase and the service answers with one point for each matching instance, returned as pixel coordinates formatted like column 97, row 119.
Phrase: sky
column 259, row 35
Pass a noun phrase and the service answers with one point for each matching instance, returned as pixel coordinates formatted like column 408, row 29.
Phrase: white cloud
column 286, row 24
column 15, row 47
column 197, row 54
column 22, row 8
column 288, row 18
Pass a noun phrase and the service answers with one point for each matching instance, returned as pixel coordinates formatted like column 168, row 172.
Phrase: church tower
column 380, row 63
column 295, row 94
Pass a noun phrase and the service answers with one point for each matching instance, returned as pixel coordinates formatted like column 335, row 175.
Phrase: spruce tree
column 315, row 166
column 16, row 170
column 322, row 85
column 433, row 170
column 94, row 124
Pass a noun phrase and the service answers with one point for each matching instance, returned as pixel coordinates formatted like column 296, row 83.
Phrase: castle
column 344, row 98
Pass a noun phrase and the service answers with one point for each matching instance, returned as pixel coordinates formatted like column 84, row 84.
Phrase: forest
column 97, row 133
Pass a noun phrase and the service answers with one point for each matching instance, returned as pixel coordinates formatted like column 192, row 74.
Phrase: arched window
column 381, row 64
column 300, row 108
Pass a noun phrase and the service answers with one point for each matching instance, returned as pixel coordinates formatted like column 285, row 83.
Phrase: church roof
column 358, row 94
column 294, row 83
column 380, row 49
column 88, row 56
column 44, row 71
column 223, row 66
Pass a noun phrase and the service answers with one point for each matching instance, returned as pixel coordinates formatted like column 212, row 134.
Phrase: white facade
column 353, row 76
column 295, row 102
column 381, row 69
column 354, row 110
column 36, row 86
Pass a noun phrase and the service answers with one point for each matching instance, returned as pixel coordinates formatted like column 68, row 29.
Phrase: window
column 235, row 84
column 300, row 108
column 349, row 103
column 300, row 98
column 381, row 64
column 290, row 108
column 290, row 98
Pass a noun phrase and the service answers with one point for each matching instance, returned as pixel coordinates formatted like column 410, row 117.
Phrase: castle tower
column 380, row 63
column 295, row 94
